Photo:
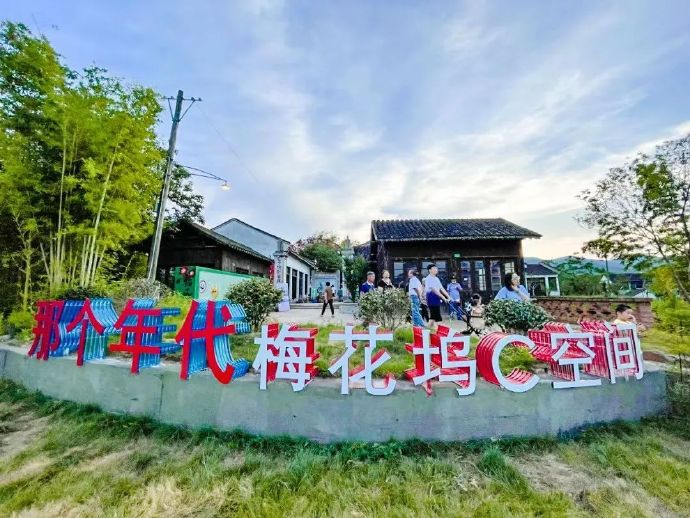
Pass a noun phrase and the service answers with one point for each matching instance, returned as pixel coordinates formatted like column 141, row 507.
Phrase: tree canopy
column 80, row 165
column 322, row 248
column 641, row 211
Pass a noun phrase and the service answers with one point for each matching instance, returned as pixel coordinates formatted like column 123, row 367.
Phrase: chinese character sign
column 573, row 359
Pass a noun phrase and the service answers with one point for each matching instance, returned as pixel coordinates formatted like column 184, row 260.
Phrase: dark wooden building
column 478, row 251
column 195, row 245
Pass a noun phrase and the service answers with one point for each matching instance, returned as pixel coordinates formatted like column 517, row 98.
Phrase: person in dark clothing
column 385, row 282
column 328, row 299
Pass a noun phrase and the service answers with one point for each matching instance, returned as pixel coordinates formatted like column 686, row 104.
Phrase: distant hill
column 615, row 265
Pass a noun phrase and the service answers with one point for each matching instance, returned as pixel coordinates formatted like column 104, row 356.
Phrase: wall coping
column 321, row 413
column 580, row 298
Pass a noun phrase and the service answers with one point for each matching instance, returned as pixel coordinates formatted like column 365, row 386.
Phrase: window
column 400, row 269
column 443, row 272
column 465, row 276
column 399, row 274
column 496, row 278
column 479, row 276
column 442, row 269
column 509, row 267
column 241, row 270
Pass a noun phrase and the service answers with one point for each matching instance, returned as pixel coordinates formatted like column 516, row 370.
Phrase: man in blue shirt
column 368, row 285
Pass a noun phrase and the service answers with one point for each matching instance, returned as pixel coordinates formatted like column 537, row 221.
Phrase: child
column 625, row 315
column 477, row 308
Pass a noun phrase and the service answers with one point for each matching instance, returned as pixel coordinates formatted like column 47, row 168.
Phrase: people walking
column 435, row 295
column 454, row 289
column 328, row 299
column 414, row 291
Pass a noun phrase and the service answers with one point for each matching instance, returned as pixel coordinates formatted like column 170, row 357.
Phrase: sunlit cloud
column 329, row 115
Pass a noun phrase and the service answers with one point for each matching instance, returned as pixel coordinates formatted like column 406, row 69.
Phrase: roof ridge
column 250, row 226
column 449, row 228
column 228, row 241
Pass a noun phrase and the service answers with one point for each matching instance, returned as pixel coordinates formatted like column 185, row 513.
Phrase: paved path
column 311, row 314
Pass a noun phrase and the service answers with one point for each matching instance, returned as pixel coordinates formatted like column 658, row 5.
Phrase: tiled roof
column 234, row 245
column 250, row 226
column 441, row 229
column 539, row 269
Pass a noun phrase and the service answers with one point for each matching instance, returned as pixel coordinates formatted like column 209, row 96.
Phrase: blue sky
column 326, row 115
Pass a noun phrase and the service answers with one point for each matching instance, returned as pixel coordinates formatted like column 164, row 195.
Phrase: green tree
column 258, row 297
column 323, row 248
column 578, row 276
column 641, row 211
column 355, row 273
column 80, row 166
column 187, row 205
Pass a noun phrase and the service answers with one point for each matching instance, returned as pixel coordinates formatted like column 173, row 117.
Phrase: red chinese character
column 617, row 350
column 139, row 332
column 208, row 333
column 84, row 317
column 488, row 352
column 46, row 332
column 444, row 356
column 287, row 353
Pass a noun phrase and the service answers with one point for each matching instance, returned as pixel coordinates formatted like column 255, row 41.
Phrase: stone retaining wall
column 573, row 309
column 321, row 413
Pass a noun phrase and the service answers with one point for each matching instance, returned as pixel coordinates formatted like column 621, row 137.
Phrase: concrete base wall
column 321, row 413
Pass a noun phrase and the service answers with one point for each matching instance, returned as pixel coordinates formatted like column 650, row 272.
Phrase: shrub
column 258, row 297
column 514, row 315
column 389, row 308
column 19, row 322
column 81, row 293
column 138, row 289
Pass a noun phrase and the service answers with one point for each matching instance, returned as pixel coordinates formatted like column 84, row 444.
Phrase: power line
column 227, row 143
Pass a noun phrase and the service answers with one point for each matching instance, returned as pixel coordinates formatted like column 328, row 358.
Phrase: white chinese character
column 625, row 356
column 575, row 350
column 371, row 361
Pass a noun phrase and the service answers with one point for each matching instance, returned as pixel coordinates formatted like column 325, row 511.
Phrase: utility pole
column 156, row 241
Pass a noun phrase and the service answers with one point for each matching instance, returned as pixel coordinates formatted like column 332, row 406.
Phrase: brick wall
column 573, row 309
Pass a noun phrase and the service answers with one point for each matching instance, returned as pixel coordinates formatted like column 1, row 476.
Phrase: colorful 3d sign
column 288, row 352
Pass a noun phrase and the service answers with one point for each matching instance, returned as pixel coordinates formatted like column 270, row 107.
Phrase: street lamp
column 157, row 236
column 224, row 185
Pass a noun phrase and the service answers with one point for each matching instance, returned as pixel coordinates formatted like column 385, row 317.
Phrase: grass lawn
column 64, row 459
column 658, row 340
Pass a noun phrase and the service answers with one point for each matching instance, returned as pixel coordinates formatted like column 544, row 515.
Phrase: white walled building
column 288, row 266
